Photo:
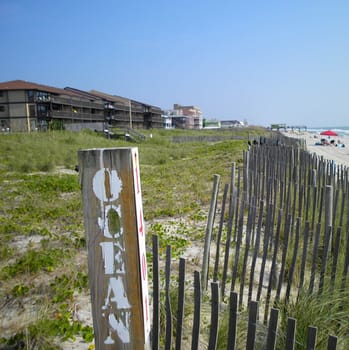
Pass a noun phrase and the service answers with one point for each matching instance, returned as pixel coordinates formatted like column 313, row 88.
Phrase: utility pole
column 130, row 111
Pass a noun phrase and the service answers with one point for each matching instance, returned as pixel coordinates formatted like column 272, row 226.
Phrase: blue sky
column 262, row 61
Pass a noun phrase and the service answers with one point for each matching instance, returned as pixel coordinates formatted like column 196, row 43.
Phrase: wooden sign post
column 113, row 217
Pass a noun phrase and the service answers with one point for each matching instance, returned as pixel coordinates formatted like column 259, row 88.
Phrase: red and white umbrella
column 329, row 133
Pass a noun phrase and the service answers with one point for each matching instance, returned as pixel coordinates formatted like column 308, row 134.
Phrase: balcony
column 71, row 115
column 42, row 99
column 65, row 101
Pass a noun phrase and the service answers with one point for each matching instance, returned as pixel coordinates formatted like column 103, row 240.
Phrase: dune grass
column 42, row 237
column 41, row 207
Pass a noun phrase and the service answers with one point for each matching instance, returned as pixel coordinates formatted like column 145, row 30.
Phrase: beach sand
column 338, row 154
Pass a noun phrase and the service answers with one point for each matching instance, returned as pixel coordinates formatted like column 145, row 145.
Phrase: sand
column 338, row 154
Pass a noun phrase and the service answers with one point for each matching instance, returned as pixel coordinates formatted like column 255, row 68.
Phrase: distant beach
column 312, row 137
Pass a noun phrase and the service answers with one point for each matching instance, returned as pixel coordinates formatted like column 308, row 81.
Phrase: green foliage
column 168, row 236
column 19, row 290
column 56, row 124
column 63, row 287
column 39, row 334
column 41, row 199
column 50, row 185
column 5, row 251
column 32, row 262
column 328, row 311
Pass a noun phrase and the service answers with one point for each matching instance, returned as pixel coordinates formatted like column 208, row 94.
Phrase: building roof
column 26, row 85
column 112, row 98
column 123, row 100
column 91, row 95
column 84, row 94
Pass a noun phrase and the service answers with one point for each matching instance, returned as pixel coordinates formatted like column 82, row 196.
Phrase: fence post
column 329, row 212
column 114, row 226
column 272, row 329
column 252, row 325
column 332, row 343
column 156, row 295
column 209, row 228
column 291, row 333
column 168, row 307
column 197, row 308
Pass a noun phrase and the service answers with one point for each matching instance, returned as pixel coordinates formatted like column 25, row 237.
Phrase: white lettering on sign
column 116, row 294
column 107, row 187
column 111, row 185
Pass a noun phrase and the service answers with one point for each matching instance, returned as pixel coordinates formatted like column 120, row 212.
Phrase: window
column 2, row 108
column 32, row 111
column 42, row 110
column 4, row 125
column 43, row 96
column 30, row 95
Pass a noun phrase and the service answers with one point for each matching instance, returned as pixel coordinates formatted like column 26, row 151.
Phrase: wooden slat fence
column 258, row 335
column 287, row 233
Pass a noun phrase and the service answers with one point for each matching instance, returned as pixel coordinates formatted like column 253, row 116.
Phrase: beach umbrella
column 329, row 133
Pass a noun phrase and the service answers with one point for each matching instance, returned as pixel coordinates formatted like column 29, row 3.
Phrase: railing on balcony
column 72, row 115
column 77, row 103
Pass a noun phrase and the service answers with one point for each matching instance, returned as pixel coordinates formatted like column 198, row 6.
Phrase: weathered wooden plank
column 237, row 207
column 291, row 333
column 256, row 249
column 209, row 228
column 346, row 264
column 315, row 256
column 232, row 203
column 321, row 201
column 251, row 216
column 342, row 209
column 273, row 273
column 324, row 259
column 335, row 257
column 219, row 234
column 233, row 309
column 168, row 310
column 294, row 204
column 272, row 238
column 346, row 260
column 252, row 325
column 113, row 218
column 246, row 156
column 329, row 213
column 304, row 254
column 180, row 304
column 238, row 245
column 267, row 237
column 332, row 343
column 335, row 206
column 272, row 329
column 293, row 261
column 314, row 208
column 156, row 295
column 212, row 342
column 300, row 200
column 307, row 203
column 283, row 258
column 311, row 338
column 197, row 308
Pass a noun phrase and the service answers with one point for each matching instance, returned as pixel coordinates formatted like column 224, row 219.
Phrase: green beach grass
column 43, row 260
column 41, row 224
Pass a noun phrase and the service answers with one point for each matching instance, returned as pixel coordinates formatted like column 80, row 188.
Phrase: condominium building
column 27, row 106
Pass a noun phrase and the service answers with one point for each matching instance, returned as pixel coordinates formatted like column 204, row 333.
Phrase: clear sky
column 262, row 61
